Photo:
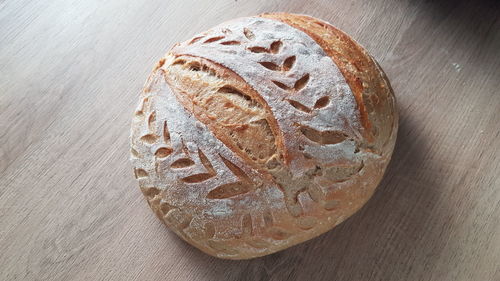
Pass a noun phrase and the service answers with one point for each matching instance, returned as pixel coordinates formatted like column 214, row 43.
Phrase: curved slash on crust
column 219, row 70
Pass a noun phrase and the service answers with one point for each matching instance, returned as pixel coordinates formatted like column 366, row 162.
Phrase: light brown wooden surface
column 70, row 209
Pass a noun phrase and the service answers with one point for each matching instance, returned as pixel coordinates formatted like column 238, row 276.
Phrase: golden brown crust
column 262, row 133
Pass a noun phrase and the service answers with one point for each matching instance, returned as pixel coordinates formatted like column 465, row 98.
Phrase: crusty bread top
column 253, row 136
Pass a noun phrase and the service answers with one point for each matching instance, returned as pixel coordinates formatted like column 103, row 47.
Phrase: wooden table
column 70, row 209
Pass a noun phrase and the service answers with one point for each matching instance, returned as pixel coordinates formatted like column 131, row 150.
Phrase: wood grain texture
column 70, row 209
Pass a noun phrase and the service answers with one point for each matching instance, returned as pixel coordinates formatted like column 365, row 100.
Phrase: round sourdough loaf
column 262, row 133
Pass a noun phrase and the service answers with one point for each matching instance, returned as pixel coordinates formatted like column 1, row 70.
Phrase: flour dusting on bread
column 260, row 134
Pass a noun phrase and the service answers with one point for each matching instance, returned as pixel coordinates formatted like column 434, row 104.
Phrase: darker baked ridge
column 368, row 82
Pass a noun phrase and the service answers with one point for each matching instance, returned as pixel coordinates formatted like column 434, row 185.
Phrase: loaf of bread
column 261, row 133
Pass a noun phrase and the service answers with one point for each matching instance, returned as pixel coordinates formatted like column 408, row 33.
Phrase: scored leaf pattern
column 297, row 86
column 320, row 137
column 285, row 66
column 274, row 48
column 242, row 186
column 210, row 171
column 186, row 161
